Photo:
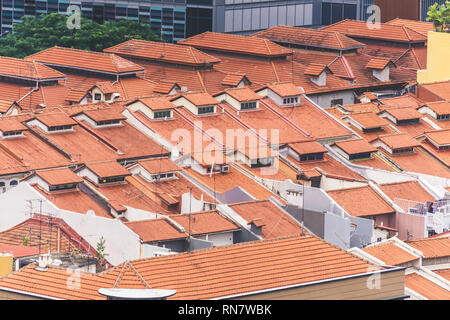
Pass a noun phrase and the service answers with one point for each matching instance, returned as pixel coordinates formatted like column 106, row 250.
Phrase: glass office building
column 178, row 19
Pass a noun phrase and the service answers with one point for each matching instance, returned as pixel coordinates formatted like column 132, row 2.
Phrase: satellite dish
column 136, row 294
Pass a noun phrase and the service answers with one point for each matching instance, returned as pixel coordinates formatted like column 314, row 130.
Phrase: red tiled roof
column 75, row 95
column 156, row 230
column 377, row 63
column 409, row 190
column 315, row 69
column 425, row 287
column 55, row 119
column 205, row 222
column 84, row 59
column 103, row 114
column 441, row 89
column 165, row 87
column 58, row 176
column 107, row 169
column 158, row 165
column 440, row 107
column 355, row 146
column 233, row 79
column 397, row 141
column 422, row 27
column 309, row 37
column 307, row 147
column 440, row 137
column 156, row 102
column 405, row 113
column 361, row 201
column 105, row 87
column 276, row 222
column 205, row 274
column 200, row 99
column 243, row 94
column 285, row 89
column 367, row 120
column 389, row 32
column 19, row 251
column 390, row 253
column 7, row 125
column 160, row 51
column 432, row 248
column 235, row 43
column 30, row 70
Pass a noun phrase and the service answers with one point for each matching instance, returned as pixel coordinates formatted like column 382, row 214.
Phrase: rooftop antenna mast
column 189, row 222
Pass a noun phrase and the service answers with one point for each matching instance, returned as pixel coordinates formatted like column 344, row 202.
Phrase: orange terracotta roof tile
column 158, row 165
column 156, row 230
column 388, row 32
column 309, row 37
column 425, row 287
column 439, row 137
column 367, row 120
column 75, row 95
column 355, row 146
column 103, row 114
column 445, row 273
column 315, row 69
column 285, row 89
column 406, row 113
column 8, row 125
column 204, row 274
column 307, row 147
column 55, row 119
column 432, row 248
column 29, row 70
column 235, row 43
column 409, row 190
column 58, row 176
column 19, row 251
column 156, row 102
column 165, row 87
column 107, row 169
column 361, row 201
column 160, row 51
column 377, row 63
column 233, row 79
column 422, row 27
column 390, row 253
column 205, row 222
column 440, row 107
column 200, row 98
column 276, row 222
column 86, row 60
column 243, row 94
column 441, row 89
column 397, row 141
column 105, row 87
column 407, row 100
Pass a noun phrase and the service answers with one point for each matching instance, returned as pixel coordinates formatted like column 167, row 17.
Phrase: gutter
column 29, row 294
column 307, row 284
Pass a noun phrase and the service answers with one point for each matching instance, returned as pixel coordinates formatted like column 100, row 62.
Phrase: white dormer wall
column 321, row 79
column 388, row 116
column 354, row 123
column 379, row 143
column 429, row 111
column 382, row 75
column 93, row 124
column 293, row 154
column 139, row 170
column 232, row 101
column 341, row 152
column 35, row 179
column 182, row 101
column 139, row 106
column 85, row 172
column 279, row 99
column 43, row 127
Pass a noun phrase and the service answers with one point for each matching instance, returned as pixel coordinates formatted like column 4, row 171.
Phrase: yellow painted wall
column 438, row 57
column 6, row 264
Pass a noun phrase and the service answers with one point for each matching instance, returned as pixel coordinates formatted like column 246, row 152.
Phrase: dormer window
column 155, row 169
column 108, row 122
column 399, row 143
column 290, row 100
column 285, row 94
column 105, row 117
column 261, row 162
column 204, row 110
column 53, row 180
column 53, row 123
column 380, row 68
column 311, row 157
column 401, row 116
column 162, row 114
column 318, row 73
column 112, row 179
column 59, row 187
column 402, row 150
column 12, row 133
column 103, row 172
column 248, row 105
column 307, row 151
column 156, row 107
column 60, row 128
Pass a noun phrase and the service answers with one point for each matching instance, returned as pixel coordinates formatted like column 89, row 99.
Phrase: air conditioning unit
column 224, row 169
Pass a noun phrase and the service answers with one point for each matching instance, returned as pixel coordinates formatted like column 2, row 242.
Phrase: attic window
column 107, row 122
column 248, row 105
column 97, row 96
column 204, row 110
column 443, row 117
column 162, row 114
column 112, row 179
column 12, row 133
column 66, row 186
column 261, row 162
column 290, row 100
column 311, row 156
column 444, row 147
column 163, row 176
column 363, row 155
column 60, row 128
column 403, row 150
column 371, row 129
column 407, row 121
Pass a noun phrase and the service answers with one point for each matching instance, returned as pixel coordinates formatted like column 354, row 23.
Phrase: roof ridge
column 338, row 39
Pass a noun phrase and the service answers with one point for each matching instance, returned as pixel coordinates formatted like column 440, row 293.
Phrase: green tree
column 37, row 34
column 100, row 251
column 440, row 15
